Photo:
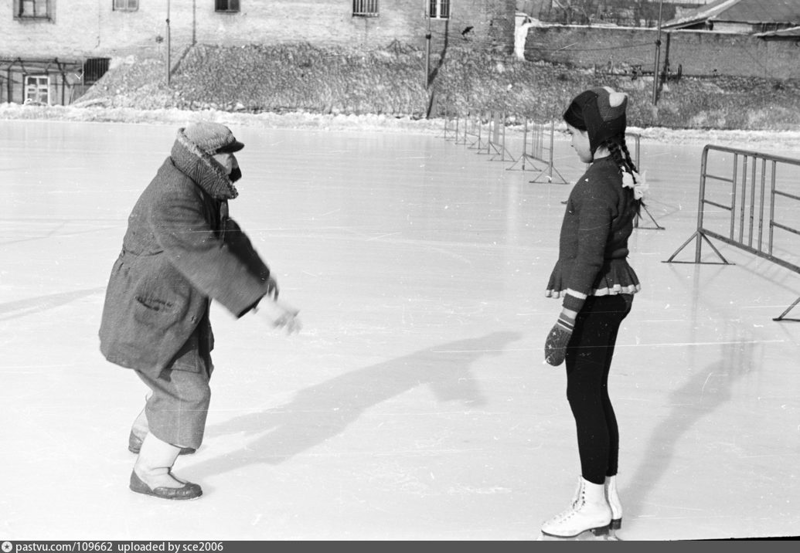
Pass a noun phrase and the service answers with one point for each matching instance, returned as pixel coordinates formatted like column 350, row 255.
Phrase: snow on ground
column 774, row 141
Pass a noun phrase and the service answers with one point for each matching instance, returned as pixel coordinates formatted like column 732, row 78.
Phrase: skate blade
column 605, row 533
column 583, row 536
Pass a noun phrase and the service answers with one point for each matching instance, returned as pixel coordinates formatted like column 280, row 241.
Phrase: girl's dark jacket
column 180, row 252
column 593, row 248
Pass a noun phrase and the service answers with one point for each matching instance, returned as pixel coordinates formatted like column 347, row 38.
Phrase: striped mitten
column 555, row 347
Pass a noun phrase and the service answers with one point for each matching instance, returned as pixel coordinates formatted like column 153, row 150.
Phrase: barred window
column 439, row 9
column 126, row 5
column 226, row 5
column 94, row 69
column 32, row 9
column 365, row 8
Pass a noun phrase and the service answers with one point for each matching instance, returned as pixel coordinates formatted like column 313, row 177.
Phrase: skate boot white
column 589, row 512
column 616, row 505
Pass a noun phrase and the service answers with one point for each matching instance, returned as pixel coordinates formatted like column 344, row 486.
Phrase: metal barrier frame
column 537, row 132
column 549, row 161
column 478, row 143
column 535, row 140
column 468, row 136
column 496, row 141
column 746, row 218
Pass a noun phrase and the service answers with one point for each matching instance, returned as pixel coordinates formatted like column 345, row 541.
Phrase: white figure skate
column 589, row 512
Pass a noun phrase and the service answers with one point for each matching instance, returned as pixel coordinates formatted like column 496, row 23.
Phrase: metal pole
column 428, row 52
column 658, row 54
column 194, row 22
column 169, row 45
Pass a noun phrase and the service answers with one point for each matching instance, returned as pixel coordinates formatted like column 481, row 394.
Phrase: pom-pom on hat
column 212, row 138
column 600, row 112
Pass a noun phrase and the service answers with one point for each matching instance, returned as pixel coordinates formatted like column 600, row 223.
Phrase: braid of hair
column 617, row 155
column 622, row 157
column 628, row 158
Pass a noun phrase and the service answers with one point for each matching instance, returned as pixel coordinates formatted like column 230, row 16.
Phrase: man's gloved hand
column 280, row 315
column 272, row 289
column 555, row 347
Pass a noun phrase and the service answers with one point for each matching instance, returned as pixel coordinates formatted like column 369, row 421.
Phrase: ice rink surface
column 415, row 404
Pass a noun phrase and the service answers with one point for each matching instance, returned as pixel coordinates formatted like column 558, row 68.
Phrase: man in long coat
column 180, row 251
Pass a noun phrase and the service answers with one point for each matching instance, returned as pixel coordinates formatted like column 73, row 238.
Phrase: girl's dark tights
column 588, row 360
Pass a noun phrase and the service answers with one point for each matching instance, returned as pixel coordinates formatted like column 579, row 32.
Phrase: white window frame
column 125, row 5
column 365, row 8
column 438, row 9
column 236, row 8
column 37, row 86
column 33, row 9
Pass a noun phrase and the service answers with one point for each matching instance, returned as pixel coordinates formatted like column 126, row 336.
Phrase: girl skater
column 597, row 285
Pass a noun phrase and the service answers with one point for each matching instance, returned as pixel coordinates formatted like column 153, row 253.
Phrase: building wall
column 698, row 53
column 90, row 28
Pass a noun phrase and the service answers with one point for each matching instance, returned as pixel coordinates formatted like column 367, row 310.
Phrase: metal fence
column 748, row 200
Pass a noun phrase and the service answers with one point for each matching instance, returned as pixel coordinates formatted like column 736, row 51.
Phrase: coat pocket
column 154, row 314
column 155, row 304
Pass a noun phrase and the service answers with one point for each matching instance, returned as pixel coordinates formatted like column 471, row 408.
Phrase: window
column 439, row 9
column 37, row 89
column 94, row 69
column 365, row 8
column 126, row 5
column 32, row 9
column 226, row 5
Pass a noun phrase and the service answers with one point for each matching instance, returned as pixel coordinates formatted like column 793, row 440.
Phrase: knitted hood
column 600, row 112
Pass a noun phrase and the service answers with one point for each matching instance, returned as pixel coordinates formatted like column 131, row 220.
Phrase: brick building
column 49, row 49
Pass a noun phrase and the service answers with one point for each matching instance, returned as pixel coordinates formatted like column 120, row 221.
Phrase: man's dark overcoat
column 180, row 252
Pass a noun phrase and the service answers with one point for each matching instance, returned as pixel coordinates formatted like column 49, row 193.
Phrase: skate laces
column 572, row 510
